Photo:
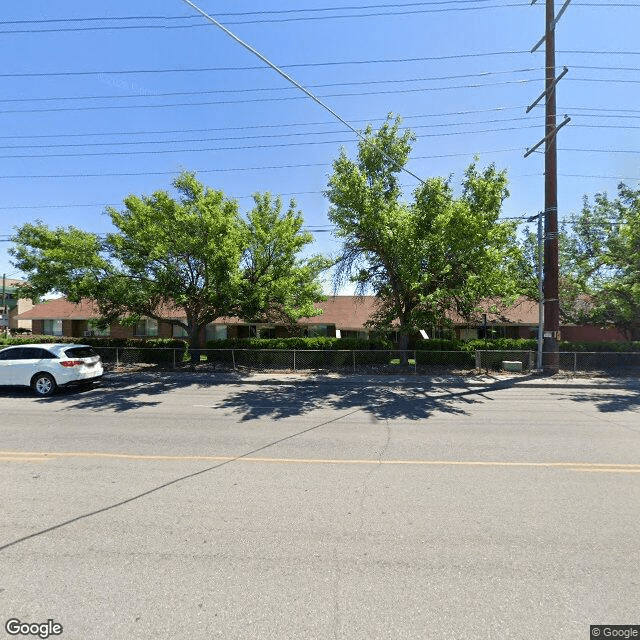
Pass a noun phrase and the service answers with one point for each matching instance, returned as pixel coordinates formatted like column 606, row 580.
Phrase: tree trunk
column 194, row 344
column 404, row 344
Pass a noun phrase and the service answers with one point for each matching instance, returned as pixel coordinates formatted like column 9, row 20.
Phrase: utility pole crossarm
column 550, row 135
column 553, row 24
column 544, row 94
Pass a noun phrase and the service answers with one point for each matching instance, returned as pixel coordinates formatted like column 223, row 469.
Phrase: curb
column 524, row 381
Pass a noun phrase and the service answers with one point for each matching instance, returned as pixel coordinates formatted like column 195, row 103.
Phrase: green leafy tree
column 192, row 253
column 278, row 285
column 428, row 257
column 598, row 262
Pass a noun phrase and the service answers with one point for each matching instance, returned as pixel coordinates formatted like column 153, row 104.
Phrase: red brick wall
column 118, row 331
column 590, row 333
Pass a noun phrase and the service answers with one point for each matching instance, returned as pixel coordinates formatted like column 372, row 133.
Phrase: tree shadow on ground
column 409, row 398
column 381, row 401
column 612, row 402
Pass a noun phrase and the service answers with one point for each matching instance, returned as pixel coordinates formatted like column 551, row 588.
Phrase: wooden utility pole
column 551, row 361
column 551, row 335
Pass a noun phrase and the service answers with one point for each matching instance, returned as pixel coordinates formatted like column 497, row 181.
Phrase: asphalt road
column 167, row 507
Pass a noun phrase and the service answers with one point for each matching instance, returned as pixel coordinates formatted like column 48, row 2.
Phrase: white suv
column 45, row 367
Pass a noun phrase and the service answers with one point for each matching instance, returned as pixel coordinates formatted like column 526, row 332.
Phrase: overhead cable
column 287, row 77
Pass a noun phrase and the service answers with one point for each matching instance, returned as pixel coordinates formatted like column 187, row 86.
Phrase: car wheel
column 43, row 384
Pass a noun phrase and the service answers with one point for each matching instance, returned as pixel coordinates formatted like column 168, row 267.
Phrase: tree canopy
column 192, row 252
column 599, row 262
column 435, row 254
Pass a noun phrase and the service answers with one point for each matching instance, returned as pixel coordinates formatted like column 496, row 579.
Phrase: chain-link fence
column 121, row 356
column 611, row 362
column 497, row 360
column 369, row 361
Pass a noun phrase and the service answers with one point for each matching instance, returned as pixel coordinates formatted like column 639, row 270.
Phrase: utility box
column 512, row 365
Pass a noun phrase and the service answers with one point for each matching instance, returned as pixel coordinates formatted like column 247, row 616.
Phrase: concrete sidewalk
column 531, row 380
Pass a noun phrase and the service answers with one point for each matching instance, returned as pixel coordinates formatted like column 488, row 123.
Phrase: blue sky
column 90, row 115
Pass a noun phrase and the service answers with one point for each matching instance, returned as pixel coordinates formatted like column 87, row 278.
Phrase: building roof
column 62, row 309
column 345, row 312
column 522, row 312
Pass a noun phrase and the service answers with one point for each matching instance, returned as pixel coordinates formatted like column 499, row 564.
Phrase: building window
column 265, row 331
column 216, row 332
column 354, row 335
column 322, row 330
column 178, row 331
column 492, row 332
column 52, row 327
column 146, row 328
column 440, row 333
column 97, row 331
column 262, row 331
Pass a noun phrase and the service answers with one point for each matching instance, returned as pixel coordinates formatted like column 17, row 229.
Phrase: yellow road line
column 573, row 466
column 23, row 459
column 606, row 470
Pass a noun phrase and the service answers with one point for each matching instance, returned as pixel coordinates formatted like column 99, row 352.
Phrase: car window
column 41, row 354
column 34, row 353
column 80, row 352
column 26, row 353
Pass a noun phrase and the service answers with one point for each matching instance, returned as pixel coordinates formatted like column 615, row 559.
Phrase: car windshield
column 80, row 352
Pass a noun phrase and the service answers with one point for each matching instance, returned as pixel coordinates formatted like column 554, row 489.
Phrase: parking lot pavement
column 160, row 506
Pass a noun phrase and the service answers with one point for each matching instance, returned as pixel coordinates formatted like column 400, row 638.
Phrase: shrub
column 438, row 344
column 314, row 344
column 502, row 344
column 150, row 350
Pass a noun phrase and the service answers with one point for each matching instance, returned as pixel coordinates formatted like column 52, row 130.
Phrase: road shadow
column 611, row 402
column 380, row 401
column 383, row 399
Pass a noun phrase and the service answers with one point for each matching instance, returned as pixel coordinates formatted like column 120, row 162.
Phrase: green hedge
column 148, row 350
column 438, row 344
column 501, row 344
column 309, row 344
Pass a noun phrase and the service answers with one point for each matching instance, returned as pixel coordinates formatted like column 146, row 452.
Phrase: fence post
column 478, row 359
column 117, row 358
column 294, row 359
column 353, row 355
column 415, row 362
column 174, row 358
column 575, row 361
column 233, row 358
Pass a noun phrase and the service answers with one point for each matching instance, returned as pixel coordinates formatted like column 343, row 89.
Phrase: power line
column 378, row 14
column 309, row 133
column 237, row 148
column 119, row 174
column 295, row 193
column 216, row 170
column 462, row 56
column 287, row 77
column 323, row 123
column 291, row 11
column 260, row 89
column 402, row 12
column 265, row 99
column 259, row 68
column 288, row 124
column 270, row 136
